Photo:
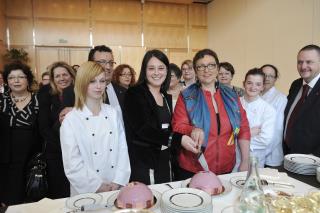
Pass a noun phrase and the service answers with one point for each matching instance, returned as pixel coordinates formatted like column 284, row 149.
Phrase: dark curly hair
column 18, row 65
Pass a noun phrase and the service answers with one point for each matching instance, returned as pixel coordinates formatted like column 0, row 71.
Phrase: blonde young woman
column 94, row 147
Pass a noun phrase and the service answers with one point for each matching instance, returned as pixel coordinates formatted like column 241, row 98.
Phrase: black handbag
column 37, row 185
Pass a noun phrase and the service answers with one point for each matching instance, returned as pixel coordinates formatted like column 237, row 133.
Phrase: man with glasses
column 302, row 113
column 114, row 93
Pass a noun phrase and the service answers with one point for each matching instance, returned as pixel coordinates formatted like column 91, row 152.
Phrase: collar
column 313, row 82
column 85, row 112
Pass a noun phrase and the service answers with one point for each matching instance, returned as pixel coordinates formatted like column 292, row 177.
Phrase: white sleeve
column 123, row 169
column 82, row 178
column 264, row 138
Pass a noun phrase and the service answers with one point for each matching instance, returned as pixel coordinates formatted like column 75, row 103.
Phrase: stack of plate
column 301, row 164
column 186, row 200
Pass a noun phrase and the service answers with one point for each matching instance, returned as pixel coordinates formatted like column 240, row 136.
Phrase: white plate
column 303, row 159
column 77, row 201
column 186, row 200
column 112, row 199
column 227, row 187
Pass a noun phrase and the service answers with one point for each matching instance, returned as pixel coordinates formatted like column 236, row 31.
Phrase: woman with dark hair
column 19, row 133
column 274, row 155
column 225, row 76
column 147, row 117
column 50, row 100
column 175, row 87
column 213, row 116
column 124, row 75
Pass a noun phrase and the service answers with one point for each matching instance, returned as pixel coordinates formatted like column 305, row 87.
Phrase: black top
column 164, row 115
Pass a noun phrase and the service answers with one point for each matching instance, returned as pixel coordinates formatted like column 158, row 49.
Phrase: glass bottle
column 252, row 196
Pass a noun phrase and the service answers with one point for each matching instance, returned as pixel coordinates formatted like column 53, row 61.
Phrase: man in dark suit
column 302, row 113
column 114, row 93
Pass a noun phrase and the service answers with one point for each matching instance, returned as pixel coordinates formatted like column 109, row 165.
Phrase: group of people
column 99, row 129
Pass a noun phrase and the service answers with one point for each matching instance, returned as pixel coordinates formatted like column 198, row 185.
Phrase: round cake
column 208, row 182
column 135, row 195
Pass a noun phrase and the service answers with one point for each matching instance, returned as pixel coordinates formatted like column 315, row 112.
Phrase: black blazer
column 69, row 98
column 141, row 119
column 49, row 125
column 306, row 134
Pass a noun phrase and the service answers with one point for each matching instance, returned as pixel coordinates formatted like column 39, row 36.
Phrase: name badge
column 165, row 126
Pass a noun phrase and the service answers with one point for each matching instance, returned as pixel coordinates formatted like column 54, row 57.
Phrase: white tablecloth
column 220, row 202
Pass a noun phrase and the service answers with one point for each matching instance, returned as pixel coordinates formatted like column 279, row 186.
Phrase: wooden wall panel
column 58, row 32
column 78, row 55
column 20, row 30
column 119, row 11
column 133, row 56
column 19, row 8
column 116, row 33
column 65, row 9
column 2, row 32
column 165, row 36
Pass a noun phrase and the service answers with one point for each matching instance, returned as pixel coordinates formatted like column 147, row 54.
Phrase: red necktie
column 295, row 112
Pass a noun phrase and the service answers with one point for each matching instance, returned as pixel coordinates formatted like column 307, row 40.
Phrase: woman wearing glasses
column 213, row 116
column 147, row 117
column 124, row 75
column 19, row 133
column 278, row 100
column 188, row 73
column 51, row 103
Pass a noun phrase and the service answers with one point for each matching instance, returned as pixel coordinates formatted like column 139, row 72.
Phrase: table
column 220, row 202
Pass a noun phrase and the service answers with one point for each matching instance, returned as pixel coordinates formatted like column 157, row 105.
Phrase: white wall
column 250, row 33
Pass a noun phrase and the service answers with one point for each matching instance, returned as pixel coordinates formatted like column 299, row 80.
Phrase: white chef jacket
column 261, row 114
column 94, row 149
column 274, row 155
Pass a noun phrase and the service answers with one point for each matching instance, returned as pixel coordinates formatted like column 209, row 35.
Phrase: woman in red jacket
column 213, row 116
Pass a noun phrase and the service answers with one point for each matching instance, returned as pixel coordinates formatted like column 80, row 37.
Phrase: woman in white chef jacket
column 260, row 114
column 93, row 143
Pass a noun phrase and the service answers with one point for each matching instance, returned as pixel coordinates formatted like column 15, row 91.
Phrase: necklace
column 19, row 99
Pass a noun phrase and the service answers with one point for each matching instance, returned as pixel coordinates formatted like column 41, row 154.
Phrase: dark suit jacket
column 68, row 95
column 306, row 130
column 144, row 132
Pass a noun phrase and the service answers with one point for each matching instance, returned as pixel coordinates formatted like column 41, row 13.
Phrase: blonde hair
column 86, row 72
column 54, row 88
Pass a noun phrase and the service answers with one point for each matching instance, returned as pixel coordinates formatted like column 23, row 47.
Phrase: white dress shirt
column 274, row 155
column 260, row 114
column 94, row 149
column 112, row 96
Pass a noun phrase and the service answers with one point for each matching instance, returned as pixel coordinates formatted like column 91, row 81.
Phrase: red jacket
column 219, row 154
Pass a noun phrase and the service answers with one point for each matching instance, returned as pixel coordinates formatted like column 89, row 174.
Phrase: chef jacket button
column 112, row 167
column 106, row 117
column 110, row 150
column 110, row 132
column 92, row 134
column 97, row 170
column 95, row 153
column 87, row 118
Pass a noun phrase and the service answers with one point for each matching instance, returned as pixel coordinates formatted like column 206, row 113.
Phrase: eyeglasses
column 104, row 62
column 203, row 67
column 126, row 75
column 20, row 78
column 270, row 76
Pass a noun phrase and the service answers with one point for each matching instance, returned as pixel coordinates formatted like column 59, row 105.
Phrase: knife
column 203, row 162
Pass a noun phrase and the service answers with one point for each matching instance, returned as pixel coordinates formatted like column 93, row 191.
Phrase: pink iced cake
column 208, row 182
column 135, row 195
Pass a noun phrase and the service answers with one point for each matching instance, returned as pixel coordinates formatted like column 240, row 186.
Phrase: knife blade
column 203, row 162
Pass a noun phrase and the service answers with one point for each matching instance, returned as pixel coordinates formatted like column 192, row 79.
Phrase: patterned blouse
column 19, row 118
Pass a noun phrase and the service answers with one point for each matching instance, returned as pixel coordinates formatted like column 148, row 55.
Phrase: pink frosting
column 208, row 182
column 135, row 195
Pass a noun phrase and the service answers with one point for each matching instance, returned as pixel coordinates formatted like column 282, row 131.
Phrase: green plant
column 16, row 55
